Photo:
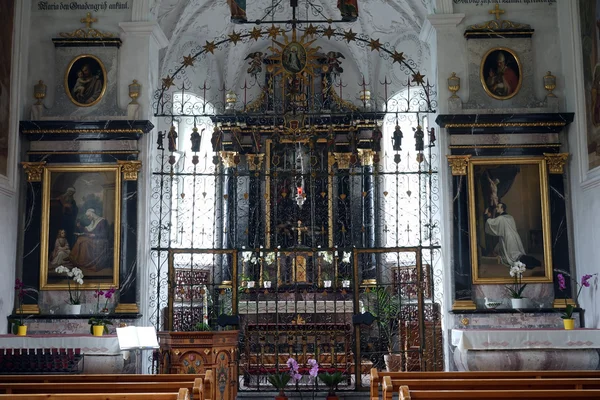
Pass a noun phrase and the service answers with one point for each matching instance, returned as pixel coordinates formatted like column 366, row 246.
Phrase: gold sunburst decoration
column 297, row 58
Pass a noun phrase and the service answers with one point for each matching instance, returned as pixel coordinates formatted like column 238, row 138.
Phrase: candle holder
column 39, row 92
column 550, row 83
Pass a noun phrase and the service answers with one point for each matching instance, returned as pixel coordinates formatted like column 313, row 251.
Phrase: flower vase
column 519, row 303
column 22, row 330
column 569, row 323
column 98, row 330
column 72, row 309
column 332, row 397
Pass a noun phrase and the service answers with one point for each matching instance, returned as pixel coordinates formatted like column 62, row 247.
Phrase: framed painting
column 85, row 80
column 509, row 219
column 81, row 222
column 500, row 73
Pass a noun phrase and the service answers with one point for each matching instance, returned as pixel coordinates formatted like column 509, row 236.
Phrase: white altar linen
column 300, row 306
column 96, row 345
column 525, row 339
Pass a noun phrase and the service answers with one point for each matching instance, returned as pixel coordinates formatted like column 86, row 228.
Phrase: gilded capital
column 459, row 164
column 343, row 160
column 34, row 170
column 228, row 158
column 130, row 169
column 366, row 156
column 255, row 161
column 556, row 162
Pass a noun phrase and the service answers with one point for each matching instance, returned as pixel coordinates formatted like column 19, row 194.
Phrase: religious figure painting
column 589, row 16
column 500, row 73
column 81, row 224
column 508, row 205
column 85, row 80
column 293, row 58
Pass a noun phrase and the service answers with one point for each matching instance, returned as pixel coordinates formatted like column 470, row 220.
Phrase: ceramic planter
column 98, row 330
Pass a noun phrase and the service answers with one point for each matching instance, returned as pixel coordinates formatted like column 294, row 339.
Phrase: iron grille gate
column 303, row 246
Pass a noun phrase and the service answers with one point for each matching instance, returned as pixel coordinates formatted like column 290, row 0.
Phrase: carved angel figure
column 255, row 63
column 333, row 60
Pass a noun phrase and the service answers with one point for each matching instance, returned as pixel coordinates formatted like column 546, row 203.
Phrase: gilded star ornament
column 210, row 47
column 398, row 57
column 311, row 30
column 418, row 78
column 168, row 82
column 375, row 45
column 256, row 33
column 188, row 61
column 329, row 32
column 235, row 37
column 349, row 36
column 274, row 31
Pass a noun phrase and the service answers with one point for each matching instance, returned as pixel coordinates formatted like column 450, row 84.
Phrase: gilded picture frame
column 501, row 73
column 81, row 223
column 509, row 202
column 85, row 80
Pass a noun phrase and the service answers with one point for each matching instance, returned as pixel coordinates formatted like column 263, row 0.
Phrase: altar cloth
column 525, row 339
column 107, row 345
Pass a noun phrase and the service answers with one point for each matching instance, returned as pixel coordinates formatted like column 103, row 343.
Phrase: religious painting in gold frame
column 85, row 80
column 501, row 73
column 81, row 225
column 508, row 201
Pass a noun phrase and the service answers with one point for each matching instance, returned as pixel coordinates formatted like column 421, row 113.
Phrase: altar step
column 321, row 395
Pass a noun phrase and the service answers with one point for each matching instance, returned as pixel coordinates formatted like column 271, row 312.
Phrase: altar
column 525, row 349
column 101, row 354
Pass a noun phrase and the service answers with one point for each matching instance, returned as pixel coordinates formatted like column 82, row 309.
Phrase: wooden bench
column 399, row 378
column 406, row 394
column 182, row 394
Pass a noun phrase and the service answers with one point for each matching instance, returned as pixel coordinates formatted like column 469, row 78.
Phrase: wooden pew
column 398, row 377
column 98, row 387
column 392, row 386
column 182, row 394
column 582, row 394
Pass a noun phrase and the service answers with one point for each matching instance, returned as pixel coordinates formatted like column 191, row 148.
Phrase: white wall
column 584, row 184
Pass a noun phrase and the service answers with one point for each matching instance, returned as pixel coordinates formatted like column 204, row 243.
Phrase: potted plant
column 567, row 316
column 266, row 279
column 202, row 327
column 345, row 282
column 98, row 325
column 331, row 381
column 281, row 378
column 326, row 280
column 516, row 289
column 387, row 306
column 75, row 274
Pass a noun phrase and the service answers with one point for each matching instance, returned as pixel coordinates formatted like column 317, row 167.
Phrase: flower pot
column 327, row 284
column 393, row 362
column 22, row 330
column 519, row 303
column 345, row 283
column 250, row 284
column 98, row 330
column 267, row 284
column 72, row 309
column 569, row 323
column 332, row 397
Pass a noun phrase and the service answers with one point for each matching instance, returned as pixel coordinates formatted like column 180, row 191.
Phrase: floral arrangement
column 516, row 289
column 562, row 285
column 20, row 288
column 281, row 379
column 103, row 321
column 77, row 276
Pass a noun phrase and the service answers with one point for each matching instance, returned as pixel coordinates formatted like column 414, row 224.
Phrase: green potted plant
column 280, row 380
column 98, row 324
column 326, row 280
column 331, row 381
column 202, row 327
column 387, row 306
column 19, row 328
column 266, row 279
column 345, row 281
column 567, row 316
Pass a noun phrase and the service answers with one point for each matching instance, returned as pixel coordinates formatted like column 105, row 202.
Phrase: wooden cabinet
column 197, row 352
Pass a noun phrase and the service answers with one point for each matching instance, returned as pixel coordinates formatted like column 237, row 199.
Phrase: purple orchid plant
column 281, row 379
column 103, row 321
column 562, row 285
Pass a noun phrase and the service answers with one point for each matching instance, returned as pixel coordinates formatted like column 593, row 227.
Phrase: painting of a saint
column 81, row 225
column 509, row 204
column 501, row 73
column 293, row 58
column 85, row 80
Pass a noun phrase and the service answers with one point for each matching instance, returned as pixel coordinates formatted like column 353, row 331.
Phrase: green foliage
column 202, row 327
column 280, row 380
column 93, row 321
column 331, row 380
column 386, row 310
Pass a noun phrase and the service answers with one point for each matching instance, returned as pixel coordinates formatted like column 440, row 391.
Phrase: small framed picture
column 501, row 74
column 85, row 80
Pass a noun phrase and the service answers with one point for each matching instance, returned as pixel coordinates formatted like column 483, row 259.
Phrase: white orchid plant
column 516, row 289
column 76, row 275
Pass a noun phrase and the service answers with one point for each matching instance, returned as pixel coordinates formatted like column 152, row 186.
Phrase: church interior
column 283, row 198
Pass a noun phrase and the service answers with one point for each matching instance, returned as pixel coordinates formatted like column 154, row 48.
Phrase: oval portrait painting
column 501, row 74
column 293, row 58
column 85, row 80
